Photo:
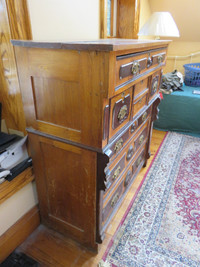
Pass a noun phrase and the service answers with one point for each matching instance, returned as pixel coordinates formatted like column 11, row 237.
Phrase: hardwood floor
column 53, row 250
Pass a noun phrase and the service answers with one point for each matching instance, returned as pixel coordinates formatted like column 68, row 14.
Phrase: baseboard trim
column 18, row 232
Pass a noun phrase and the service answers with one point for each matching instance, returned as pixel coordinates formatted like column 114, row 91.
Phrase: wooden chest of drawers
column 89, row 109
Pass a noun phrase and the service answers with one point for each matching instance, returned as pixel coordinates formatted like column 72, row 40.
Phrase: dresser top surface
column 96, row 45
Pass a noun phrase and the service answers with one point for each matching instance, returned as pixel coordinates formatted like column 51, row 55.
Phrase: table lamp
column 160, row 24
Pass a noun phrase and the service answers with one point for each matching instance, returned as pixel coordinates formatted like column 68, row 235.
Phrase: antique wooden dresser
column 89, row 108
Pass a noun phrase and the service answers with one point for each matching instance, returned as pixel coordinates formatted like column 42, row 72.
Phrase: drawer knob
column 118, row 145
column 144, row 116
column 160, row 59
column 114, row 200
column 130, row 153
column 138, row 161
column 116, row 173
column 141, row 139
column 128, row 178
column 154, row 87
column 133, row 127
column 149, row 62
column 123, row 113
column 135, row 67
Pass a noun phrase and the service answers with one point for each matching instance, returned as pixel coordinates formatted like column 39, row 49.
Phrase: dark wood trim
column 30, row 130
column 17, row 233
column 111, row 44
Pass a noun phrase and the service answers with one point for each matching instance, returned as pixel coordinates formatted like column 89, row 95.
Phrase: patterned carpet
column 162, row 225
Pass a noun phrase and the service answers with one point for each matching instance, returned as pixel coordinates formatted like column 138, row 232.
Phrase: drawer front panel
column 140, row 102
column 115, row 195
column 141, row 138
column 136, row 163
column 120, row 111
column 140, row 87
column 115, row 172
column 130, row 66
column 155, row 84
column 120, row 142
column 113, row 201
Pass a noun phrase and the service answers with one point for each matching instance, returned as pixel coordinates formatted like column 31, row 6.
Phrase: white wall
column 12, row 209
column 64, row 19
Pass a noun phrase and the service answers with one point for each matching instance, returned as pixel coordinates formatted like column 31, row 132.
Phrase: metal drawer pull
column 128, row 178
column 133, row 127
column 160, row 59
column 123, row 113
column 118, row 145
column 141, row 139
column 114, row 200
column 154, row 87
column 130, row 153
column 135, row 67
column 116, row 173
column 144, row 116
column 138, row 161
column 149, row 61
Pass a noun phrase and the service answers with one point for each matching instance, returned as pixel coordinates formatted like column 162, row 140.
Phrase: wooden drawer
column 140, row 158
column 141, row 138
column 115, row 195
column 140, row 87
column 134, row 167
column 118, row 144
column 114, row 170
column 111, row 202
column 140, row 102
column 155, row 84
column 129, row 67
column 120, row 111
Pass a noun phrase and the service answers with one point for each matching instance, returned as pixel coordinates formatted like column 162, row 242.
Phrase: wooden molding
column 7, row 189
column 17, row 233
column 19, row 20
column 128, row 14
column 103, row 19
column 14, row 24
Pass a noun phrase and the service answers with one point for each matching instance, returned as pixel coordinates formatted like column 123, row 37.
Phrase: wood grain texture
column 19, row 19
column 65, row 91
column 128, row 13
column 52, row 249
column 103, row 19
column 13, row 24
column 66, row 187
column 7, row 189
column 18, row 233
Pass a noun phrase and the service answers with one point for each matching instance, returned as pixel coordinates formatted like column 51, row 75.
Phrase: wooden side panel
column 49, row 81
column 94, row 78
column 10, row 92
column 66, row 183
column 128, row 12
column 55, row 101
column 63, row 92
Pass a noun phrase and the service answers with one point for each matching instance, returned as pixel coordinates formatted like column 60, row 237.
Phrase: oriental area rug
column 162, row 224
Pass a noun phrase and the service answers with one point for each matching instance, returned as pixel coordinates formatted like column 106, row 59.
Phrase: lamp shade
column 160, row 24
